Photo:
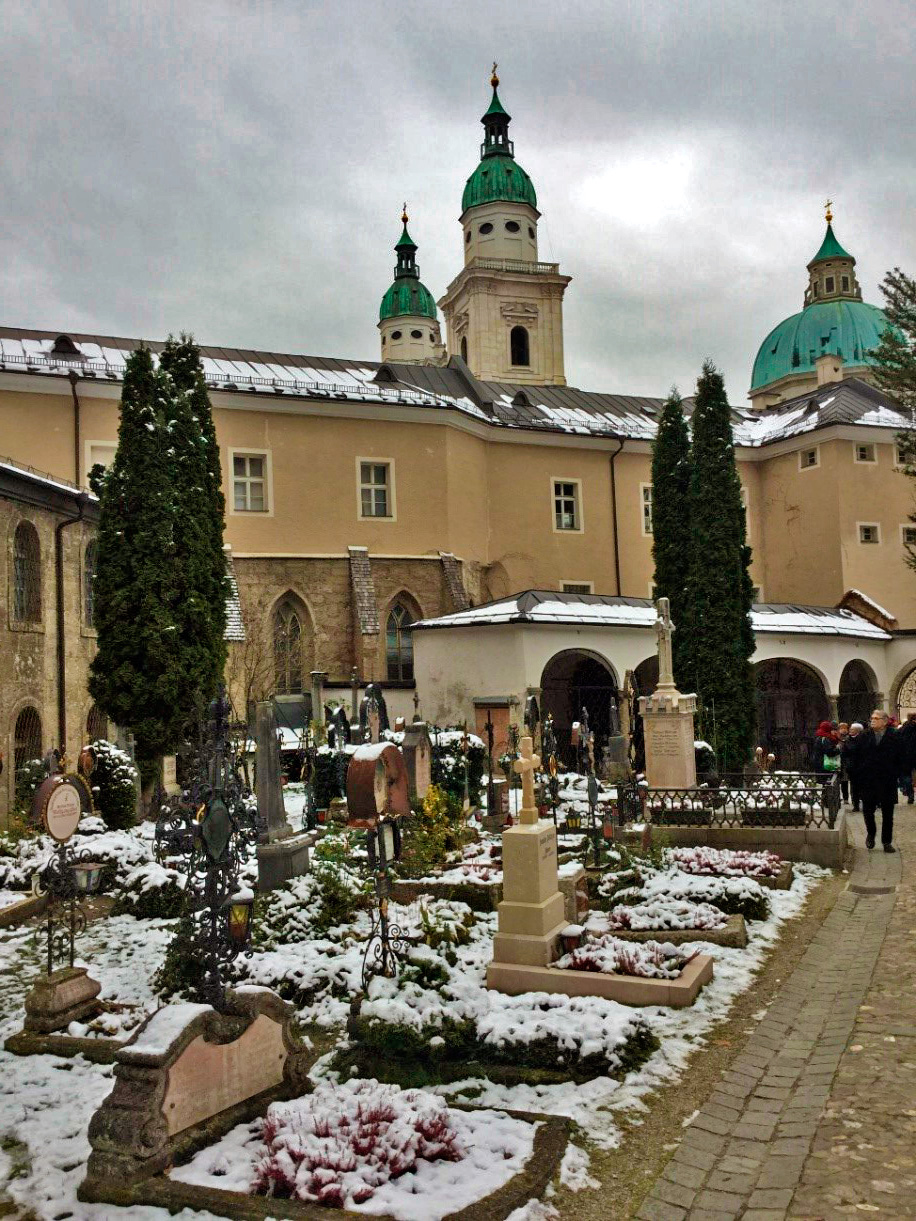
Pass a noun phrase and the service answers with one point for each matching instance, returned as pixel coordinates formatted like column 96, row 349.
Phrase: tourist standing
column 878, row 762
column 842, row 734
column 906, row 735
column 826, row 750
column 849, row 755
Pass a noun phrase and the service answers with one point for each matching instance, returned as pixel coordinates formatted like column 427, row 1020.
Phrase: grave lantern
column 88, row 876
column 238, row 917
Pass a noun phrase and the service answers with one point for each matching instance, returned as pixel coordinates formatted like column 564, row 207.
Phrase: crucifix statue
column 663, row 630
column 525, row 766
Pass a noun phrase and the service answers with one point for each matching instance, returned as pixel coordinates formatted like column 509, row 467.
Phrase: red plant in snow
column 338, row 1145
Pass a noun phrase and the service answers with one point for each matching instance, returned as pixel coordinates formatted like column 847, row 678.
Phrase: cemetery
column 423, row 979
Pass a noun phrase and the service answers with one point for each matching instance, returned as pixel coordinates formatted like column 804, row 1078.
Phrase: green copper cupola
column 408, row 321
column 498, row 178
column 496, row 122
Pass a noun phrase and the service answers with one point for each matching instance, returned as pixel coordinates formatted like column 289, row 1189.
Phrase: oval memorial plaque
column 60, row 802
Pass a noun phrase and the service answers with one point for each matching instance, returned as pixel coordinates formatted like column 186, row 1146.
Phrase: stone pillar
column 318, row 681
column 834, row 701
column 668, row 725
column 268, row 780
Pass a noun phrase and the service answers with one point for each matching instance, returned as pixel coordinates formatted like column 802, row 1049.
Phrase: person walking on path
column 849, row 753
column 826, row 750
column 878, row 763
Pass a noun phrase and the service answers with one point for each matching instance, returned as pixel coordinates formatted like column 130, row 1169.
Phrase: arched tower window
column 90, row 560
column 96, row 724
column 399, row 644
column 287, row 629
column 464, row 348
column 518, row 346
column 27, row 738
column 26, row 574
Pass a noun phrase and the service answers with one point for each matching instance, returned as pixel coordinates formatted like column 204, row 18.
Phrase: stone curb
column 16, row 913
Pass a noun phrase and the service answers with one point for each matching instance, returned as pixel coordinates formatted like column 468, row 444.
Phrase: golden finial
column 404, row 216
column 827, row 206
column 494, row 79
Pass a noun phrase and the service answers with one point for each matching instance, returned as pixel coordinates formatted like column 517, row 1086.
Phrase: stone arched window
column 399, row 644
column 520, row 353
column 90, row 560
column 464, row 348
column 26, row 574
column 27, row 737
column 287, row 639
column 96, row 724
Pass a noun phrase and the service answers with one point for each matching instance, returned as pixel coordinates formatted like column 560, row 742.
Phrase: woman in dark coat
column 826, row 746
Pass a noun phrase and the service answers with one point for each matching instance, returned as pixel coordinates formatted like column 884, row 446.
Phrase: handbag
column 832, row 763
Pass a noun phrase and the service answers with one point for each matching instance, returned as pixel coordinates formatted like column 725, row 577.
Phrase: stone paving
column 817, row 1116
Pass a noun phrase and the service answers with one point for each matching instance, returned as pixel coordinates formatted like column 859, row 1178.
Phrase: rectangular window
column 566, row 514
column 869, row 532
column 375, row 489
column 828, row 285
column 249, row 482
column 645, row 501
column 808, row 459
column 845, row 284
column 576, row 587
column 899, row 455
column 98, row 453
column 908, row 536
column 864, row 453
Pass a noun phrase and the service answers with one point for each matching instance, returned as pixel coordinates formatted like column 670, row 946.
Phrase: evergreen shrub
column 113, row 781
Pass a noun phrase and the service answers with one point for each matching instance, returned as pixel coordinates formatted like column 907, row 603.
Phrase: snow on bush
column 739, row 896
column 121, row 851
column 338, row 1145
column 151, row 891
column 608, row 955
column 665, row 913
column 114, row 782
column 724, row 862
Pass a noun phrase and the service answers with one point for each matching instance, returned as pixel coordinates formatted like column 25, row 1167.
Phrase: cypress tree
column 199, row 506
column 719, row 591
column 895, row 366
column 671, row 523
column 137, row 675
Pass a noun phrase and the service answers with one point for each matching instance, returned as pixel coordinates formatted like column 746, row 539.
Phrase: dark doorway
column 571, row 681
column 857, row 693
column 791, row 703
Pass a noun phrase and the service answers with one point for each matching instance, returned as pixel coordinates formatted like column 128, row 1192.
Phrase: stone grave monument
column 532, row 912
column 668, row 719
column 281, row 853
column 417, row 749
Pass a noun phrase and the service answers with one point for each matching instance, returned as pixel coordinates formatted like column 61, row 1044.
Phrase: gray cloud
column 238, row 168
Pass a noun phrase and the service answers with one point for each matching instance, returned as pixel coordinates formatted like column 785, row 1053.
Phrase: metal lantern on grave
column 216, row 826
column 377, row 798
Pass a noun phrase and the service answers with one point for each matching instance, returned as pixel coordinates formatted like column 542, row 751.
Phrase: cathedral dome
column 845, row 328
column 407, row 297
column 498, row 178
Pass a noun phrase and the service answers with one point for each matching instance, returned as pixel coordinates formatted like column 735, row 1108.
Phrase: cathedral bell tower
column 408, row 323
column 504, row 310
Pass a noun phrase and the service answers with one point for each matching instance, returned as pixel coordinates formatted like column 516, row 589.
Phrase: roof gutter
column 81, row 501
column 614, row 517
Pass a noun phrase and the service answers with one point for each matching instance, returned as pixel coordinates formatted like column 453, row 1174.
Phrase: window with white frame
column 808, row 459
column 576, row 587
column 645, row 503
column 566, row 511
column 869, row 532
column 249, row 482
column 908, row 536
column 864, row 452
column 900, row 458
column 375, row 489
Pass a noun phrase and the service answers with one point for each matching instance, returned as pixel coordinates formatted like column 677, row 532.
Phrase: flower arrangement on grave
column 665, row 913
column 608, row 955
column 433, row 833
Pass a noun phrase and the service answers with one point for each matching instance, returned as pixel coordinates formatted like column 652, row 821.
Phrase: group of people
column 873, row 764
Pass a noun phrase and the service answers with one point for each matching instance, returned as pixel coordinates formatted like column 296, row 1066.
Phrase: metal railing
column 789, row 799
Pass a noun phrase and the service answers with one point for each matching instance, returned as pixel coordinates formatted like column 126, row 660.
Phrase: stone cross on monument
column 663, row 631
column 525, row 767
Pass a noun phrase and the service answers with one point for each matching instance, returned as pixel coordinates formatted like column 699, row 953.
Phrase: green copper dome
column 498, row 178
column 407, row 297
column 844, row 328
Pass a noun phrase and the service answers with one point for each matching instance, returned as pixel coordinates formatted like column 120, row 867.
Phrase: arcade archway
column 858, row 691
column 791, row 703
column 571, row 681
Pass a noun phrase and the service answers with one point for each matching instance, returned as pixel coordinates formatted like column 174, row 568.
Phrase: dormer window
column 65, row 347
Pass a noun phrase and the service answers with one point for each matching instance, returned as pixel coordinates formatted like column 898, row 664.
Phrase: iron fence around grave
column 789, row 799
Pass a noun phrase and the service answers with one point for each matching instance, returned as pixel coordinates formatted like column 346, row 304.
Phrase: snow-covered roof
column 554, row 409
column 539, row 606
column 42, row 480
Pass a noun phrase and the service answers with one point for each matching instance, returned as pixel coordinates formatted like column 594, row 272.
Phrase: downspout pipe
column 81, row 501
column 614, row 517
column 73, row 378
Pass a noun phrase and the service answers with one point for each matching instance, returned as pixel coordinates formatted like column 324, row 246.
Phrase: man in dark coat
column 878, row 764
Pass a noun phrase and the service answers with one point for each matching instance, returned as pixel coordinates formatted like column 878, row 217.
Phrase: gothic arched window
column 27, row 737
column 90, row 559
column 96, row 724
column 26, row 574
column 399, row 644
column 287, row 649
column 518, row 344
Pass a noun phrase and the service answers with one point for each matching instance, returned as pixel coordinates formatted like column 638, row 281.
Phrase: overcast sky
column 238, row 169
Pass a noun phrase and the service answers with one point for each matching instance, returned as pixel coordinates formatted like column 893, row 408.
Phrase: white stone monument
column 668, row 719
column 532, row 912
